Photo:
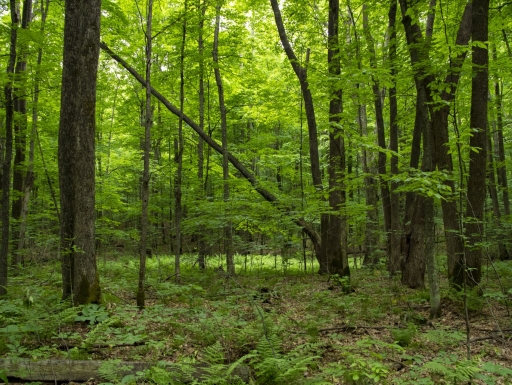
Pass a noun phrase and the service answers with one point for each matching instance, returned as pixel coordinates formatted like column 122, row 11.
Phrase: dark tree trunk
column 7, row 158
column 420, row 237
column 201, row 244
column 477, row 159
column 443, row 159
column 336, row 253
column 141, row 291
column 394, row 243
column 76, row 151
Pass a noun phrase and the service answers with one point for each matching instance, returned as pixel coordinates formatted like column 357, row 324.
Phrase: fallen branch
column 248, row 175
column 347, row 328
column 81, row 371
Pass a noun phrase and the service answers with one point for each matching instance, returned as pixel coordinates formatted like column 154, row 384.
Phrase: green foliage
column 92, row 313
column 273, row 367
column 403, row 337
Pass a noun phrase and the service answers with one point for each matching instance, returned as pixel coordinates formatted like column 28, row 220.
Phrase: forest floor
column 284, row 325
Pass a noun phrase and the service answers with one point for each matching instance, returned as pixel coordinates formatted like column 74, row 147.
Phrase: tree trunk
column 316, row 175
column 76, row 151
column 423, row 77
column 6, row 166
column 201, row 244
column 141, row 292
column 477, row 159
column 381, row 140
column 336, row 253
column 228, row 236
column 394, row 244
column 178, row 157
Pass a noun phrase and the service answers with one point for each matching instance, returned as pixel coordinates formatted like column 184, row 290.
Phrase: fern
column 274, row 367
column 98, row 332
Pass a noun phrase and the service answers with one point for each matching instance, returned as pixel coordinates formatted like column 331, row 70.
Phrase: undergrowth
column 263, row 326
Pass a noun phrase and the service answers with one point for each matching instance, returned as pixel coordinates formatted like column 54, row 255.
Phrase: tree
column 7, row 158
column 148, row 114
column 80, row 278
column 478, row 142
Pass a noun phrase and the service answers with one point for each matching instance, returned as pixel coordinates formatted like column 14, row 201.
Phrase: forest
column 255, row 192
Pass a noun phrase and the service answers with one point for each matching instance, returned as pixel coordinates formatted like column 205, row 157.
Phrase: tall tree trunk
column 178, row 156
column 20, row 128
column 477, row 159
column 423, row 77
column 301, row 73
column 7, row 159
column 77, row 126
column 381, row 140
column 394, row 244
column 30, row 176
column 228, row 236
column 336, row 253
column 201, row 244
column 141, row 293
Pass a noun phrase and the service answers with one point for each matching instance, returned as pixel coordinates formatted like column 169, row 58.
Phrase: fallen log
column 81, row 371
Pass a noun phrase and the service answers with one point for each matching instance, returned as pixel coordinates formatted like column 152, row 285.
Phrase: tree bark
column 228, row 236
column 439, row 114
column 141, row 291
column 201, row 244
column 248, row 175
column 381, row 138
column 7, row 159
column 336, row 253
column 477, row 159
column 394, row 243
column 316, row 174
column 80, row 277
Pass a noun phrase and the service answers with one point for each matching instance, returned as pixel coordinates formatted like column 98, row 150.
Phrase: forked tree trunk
column 423, row 77
column 80, row 277
column 302, row 75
